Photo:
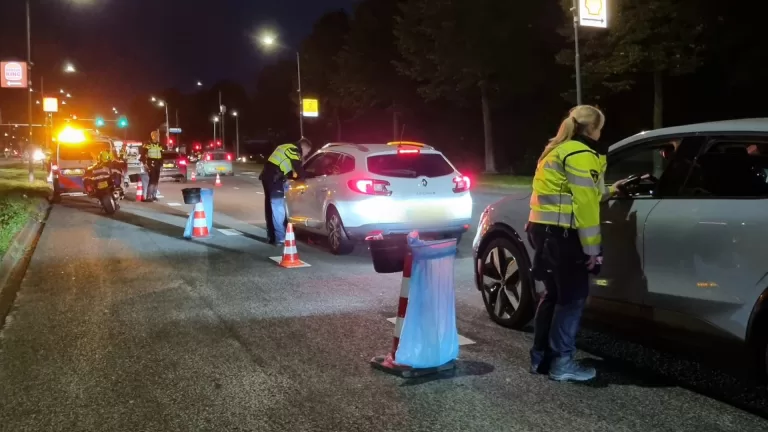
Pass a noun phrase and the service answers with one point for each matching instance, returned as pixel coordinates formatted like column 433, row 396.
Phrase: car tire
column 56, row 198
column 338, row 241
column 759, row 348
column 518, row 305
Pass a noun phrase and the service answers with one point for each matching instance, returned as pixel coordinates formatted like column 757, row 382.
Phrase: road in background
column 122, row 325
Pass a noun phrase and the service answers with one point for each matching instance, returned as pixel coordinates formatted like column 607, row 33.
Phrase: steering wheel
column 631, row 183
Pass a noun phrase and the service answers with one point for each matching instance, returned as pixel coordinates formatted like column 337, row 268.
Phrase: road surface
column 121, row 325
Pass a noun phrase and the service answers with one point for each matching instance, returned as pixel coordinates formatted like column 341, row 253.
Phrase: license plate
column 426, row 214
column 222, row 168
column 102, row 185
column 168, row 166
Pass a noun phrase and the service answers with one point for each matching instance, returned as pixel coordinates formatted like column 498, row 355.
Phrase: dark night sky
column 125, row 47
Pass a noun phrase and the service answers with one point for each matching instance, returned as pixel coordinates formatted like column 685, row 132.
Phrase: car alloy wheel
column 337, row 239
column 502, row 287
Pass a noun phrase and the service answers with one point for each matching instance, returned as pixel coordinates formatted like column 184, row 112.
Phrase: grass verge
column 19, row 200
column 504, row 181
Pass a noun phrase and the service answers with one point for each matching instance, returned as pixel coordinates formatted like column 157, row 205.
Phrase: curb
column 13, row 265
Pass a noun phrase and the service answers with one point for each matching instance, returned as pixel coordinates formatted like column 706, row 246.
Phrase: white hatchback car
column 354, row 191
column 684, row 249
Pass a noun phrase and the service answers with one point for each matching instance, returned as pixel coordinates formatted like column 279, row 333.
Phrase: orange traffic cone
column 199, row 222
column 139, row 191
column 218, row 180
column 194, row 176
column 290, row 258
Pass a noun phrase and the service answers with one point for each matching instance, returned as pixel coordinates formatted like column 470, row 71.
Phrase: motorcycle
column 105, row 186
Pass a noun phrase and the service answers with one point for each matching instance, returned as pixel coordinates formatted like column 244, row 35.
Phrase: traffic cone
column 218, row 180
column 194, row 176
column 199, row 223
column 290, row 258
column 139, row 191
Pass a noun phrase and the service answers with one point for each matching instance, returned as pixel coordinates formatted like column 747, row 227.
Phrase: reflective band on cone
column 290, row 253
column 194, row 176
column 139, row 191
column 218, row 180
column 402, row 305
column 199, row 223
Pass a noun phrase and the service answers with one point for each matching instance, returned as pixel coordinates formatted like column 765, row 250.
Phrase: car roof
column 370, row 149
column 759, row 125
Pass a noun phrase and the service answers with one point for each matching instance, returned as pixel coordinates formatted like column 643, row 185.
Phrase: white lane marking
column 237, row 188
column 260, row 193
column 230, row 232
column 248, row 173
column 253, row 177
column 174, row 204
column 462, row 340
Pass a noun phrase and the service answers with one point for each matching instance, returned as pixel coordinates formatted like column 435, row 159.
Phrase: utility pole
column 29, row 95
column 301, row 111
column 577, row 56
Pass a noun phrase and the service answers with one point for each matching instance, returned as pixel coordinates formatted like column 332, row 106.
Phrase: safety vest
column 154, row 151
column 567, row 190
column 283, row 155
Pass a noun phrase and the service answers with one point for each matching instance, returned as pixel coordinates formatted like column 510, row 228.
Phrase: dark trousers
column 154, row 177
column 560, row 263
column 268, row 213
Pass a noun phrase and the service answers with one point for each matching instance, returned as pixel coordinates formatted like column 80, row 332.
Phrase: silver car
column 684, row 250
column 215, row 162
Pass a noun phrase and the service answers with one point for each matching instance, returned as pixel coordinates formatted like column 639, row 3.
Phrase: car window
column 410, row 165
column 87, row 151
column 218, row 156
column 321, row 164
column 730, row 167
column 345, row 164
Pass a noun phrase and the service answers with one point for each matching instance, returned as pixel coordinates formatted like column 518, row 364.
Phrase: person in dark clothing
column 284, row 163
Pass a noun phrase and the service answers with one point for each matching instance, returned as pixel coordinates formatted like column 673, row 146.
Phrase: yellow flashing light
column 410, row 143
column 71, row 136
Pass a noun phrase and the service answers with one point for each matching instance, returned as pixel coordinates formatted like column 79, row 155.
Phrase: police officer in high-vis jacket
column 564, row 230
column 284, row 163
column 152, row 158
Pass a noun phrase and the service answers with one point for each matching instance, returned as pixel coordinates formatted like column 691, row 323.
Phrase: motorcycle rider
column 105, row 168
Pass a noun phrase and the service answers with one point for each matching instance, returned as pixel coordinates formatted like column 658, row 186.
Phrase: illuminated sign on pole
column 13, row 74
column 310, row 108
column 593, row 13
column 50, row 105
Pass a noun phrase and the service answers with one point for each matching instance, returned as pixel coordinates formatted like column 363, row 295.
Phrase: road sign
column 175, row 130
column 13, row 74
column 50, row 105
column 593, row 13
column 310, row 108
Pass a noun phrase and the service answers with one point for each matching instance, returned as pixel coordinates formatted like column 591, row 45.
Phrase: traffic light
column 122, row 122
column 218, row 143
column 170, row 140
column 99, row 122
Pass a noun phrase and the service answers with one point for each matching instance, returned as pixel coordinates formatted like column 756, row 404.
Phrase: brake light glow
column 461, row 183
column 182, row 162
column 229, row 157
column 370, row 187
column 207, row 157
column 408, row 151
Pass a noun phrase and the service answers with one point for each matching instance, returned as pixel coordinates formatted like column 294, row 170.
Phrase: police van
column 76, row 150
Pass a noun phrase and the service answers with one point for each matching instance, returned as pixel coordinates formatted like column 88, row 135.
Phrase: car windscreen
column 410, row 165
column 85, row 151
column 219, row 156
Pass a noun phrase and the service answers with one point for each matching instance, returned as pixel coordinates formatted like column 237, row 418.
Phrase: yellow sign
column 593, row 13
column 310, row 108
column 50, row 105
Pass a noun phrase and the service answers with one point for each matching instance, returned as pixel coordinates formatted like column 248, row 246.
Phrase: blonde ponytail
column 580, row 119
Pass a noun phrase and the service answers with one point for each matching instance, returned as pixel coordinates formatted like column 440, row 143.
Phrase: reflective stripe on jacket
column 154, row 151
column 567, row 190
column 282, row 157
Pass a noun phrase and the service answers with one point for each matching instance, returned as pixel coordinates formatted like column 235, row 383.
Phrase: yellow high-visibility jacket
column 567, row 190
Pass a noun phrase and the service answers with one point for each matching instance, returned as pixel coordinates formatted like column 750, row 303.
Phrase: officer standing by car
column 284, row 163
column 152, row 158
column 564, row 230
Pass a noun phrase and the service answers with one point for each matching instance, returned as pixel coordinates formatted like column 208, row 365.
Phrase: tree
column 653, row 38
column 274, row 110
column 319, row 65
column 463, row 50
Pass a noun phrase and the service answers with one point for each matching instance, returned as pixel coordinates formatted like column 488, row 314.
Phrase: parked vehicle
column 174, row 167
column 76, row 151
column 384, row 190
column 683, row 248
column 215, row 162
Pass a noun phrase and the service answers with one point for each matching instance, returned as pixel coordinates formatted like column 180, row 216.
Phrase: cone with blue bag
column 426, row 340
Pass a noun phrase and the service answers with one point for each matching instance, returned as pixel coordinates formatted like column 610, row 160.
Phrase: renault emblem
column 424, row 182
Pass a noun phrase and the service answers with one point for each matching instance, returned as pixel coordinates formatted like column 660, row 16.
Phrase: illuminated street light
column 69, row 95
column 269, row 40
column 61, row 91
column 153, row 99
column 69, row 68
column 162, row 104
column 199, row 84
column 237, row 134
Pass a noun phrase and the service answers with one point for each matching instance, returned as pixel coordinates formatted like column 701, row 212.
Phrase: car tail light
column 370, row 187
column 401, row 151
column 461, row 183
column 182, row 162
column 207, row 157
column 229, row 157
column 54, row 167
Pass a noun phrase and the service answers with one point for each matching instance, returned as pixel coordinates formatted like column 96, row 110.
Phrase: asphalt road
column 121, row 325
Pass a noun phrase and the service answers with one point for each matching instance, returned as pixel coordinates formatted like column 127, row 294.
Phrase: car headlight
column 38, row 155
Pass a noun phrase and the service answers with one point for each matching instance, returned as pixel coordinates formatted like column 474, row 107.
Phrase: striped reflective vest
column 283, row 155
column 154, row 151
column 567, row 190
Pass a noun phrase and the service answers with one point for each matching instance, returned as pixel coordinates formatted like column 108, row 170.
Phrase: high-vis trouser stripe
column 560, row 219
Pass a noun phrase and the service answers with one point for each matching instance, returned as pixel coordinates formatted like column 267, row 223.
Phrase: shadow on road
column 463, row 368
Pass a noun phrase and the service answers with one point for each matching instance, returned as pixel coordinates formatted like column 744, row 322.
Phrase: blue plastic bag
column 429, row 337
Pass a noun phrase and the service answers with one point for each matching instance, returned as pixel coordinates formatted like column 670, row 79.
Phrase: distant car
column 215, row 162
column 359, row 190
column 174, row 167
column 683, row 248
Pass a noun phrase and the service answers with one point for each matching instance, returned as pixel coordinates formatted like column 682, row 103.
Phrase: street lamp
column 199, row 83
column 69, row 68
column 268, row 40
column 214, row 119
column 237, row 134
column 162, row 104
